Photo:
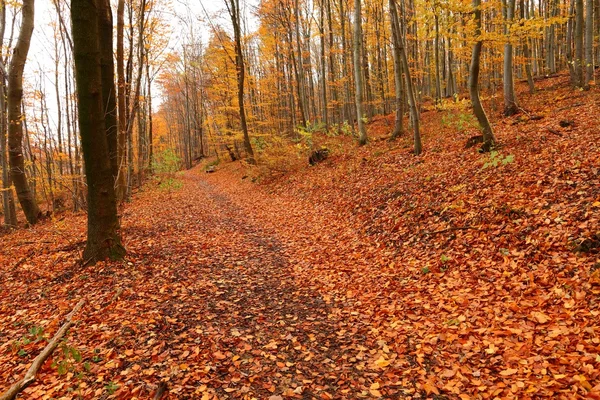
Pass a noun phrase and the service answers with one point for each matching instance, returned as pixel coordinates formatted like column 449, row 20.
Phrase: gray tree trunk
column 398, row 125
column 488, row 134
column 358, row 81
column 15, row 116
column 510, row 99
column 579, row 75
column 589, row 42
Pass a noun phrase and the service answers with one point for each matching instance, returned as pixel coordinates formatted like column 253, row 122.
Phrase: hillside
column 374, row 274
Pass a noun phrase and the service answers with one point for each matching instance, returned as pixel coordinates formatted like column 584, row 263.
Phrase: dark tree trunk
column 233, row 7
column 488, row 134
column 104, row 239
column 15, row 116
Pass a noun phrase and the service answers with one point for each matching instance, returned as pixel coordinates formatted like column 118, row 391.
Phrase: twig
column 162, row 389
column 554, row 131
column 454, row 228
column 37, row 363
column 571, row 106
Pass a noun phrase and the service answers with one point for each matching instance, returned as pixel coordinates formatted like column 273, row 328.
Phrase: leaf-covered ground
column 375, row 274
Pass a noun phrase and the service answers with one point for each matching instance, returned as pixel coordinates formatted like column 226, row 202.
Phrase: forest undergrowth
column 374, row 274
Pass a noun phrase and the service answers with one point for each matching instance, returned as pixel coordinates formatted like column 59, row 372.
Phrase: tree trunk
column 362, row 131
column 510, row 99
column 105, row 30
column 410, row 90
column 398, row 84
column 579, row 76
column 589, row 43
column 8, row 201
column 15, row 115
column 526, row 53
column 234, row 12
column 121, row 184
column 103, row 236
column 488, row 134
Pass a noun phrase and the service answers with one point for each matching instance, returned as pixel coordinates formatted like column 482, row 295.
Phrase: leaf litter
column 372, row 275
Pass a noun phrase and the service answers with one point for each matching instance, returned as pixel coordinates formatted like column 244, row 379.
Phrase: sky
column 181, row 15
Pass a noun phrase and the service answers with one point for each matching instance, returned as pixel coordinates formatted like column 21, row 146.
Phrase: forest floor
column 375, row 274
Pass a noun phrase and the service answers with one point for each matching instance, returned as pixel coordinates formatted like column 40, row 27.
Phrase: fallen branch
column 454, row 228
column 571, row 106
column 37, row 363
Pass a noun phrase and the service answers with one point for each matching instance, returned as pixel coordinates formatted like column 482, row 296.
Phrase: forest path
column 218, row 297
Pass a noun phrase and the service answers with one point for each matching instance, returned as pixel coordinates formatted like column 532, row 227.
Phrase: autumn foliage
column 373, row 274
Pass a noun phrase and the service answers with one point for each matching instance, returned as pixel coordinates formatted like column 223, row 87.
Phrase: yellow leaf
column 382, row 362
column 183, row 367
column 508, row 372
column 540, row 317
column 375, row 386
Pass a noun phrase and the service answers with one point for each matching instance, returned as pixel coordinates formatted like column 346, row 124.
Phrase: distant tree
column 233, row 6
column 579, row 62
column 94, row 78
column 510, row 99
column 15, row 116
column 488, row 134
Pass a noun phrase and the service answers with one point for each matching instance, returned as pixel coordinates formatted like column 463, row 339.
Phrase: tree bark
column 358, row 81
column 510, row 99
column 488, row 134
column 398, row 84
column 15, row 115
column 579, row 75
column 8, row 201
column 103, row 236
column 121, row 184
column 233, row 7
column 589, row 43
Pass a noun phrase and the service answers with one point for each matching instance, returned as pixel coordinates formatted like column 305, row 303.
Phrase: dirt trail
column 209, row 300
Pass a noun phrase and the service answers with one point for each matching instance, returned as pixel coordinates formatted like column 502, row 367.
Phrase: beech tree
column 484, row 123
column 233, row 6
column 15, row 115
column 358, row 71
column 94, row 76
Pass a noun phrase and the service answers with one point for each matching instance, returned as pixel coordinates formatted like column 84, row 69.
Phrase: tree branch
column 37, row 363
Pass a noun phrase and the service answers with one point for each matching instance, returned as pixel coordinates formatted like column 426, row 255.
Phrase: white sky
column 182, row 14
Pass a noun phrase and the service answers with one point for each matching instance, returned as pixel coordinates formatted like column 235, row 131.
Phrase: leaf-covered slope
column 373, row 274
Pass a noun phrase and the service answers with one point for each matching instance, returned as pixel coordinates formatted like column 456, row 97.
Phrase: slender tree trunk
column 8, row 201
column 358, row 81
column 526, row 53
column 488, row 134
column 323, row 70
column 103, row 238
column 589, row 43
column 150, row 122
column 398, row 84
column 233, row 7
column 510, row 99
column 410, row 90
column 15, row 115
column 121, row 107
column 569, row 44
column 579, row 75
